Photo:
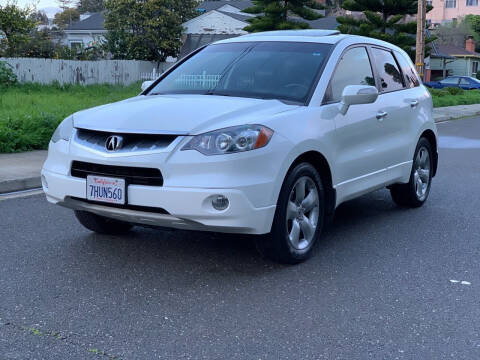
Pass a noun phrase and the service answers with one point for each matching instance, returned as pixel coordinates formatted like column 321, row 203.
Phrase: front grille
column 127, row 207
column 132, row 175
column 96, row 140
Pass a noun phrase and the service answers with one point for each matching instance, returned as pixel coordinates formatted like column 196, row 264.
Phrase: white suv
column 261, row 134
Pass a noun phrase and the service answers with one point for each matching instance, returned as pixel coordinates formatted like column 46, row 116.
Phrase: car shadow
column 229, row 253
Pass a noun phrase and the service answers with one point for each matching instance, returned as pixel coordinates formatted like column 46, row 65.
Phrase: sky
column 39, row 3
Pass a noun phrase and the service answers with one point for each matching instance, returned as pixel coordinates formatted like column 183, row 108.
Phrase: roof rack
column 308, row 32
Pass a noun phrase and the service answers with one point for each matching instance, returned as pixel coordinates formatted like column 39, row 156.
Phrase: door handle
column 414, row 103
column 381, row 115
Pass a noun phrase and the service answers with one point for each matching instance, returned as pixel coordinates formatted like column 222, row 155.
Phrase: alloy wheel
column 421, row 175
column 302, row 213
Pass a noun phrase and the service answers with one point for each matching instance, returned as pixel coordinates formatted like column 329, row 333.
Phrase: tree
column 66, row 17
column 384, row 20
column 146, row 29
column 282, row 14
column 40, row 17
column 17, row 24
column 90, row 6
column 456, row 32
column 64, row 4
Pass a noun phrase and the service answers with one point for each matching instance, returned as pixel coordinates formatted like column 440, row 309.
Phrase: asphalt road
column 379, row 287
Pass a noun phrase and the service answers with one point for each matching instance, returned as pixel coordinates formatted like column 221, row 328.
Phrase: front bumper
column 186, row 208
column 251, row 181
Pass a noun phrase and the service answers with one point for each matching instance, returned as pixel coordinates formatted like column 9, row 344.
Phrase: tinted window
column 388, row 71
column 409, row 72
column 450, row 81
column 270, row 70
column 353, row 69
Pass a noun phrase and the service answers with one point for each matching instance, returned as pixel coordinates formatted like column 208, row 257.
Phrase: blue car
column 463, row 82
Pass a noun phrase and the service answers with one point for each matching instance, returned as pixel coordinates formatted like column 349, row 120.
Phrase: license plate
column 106, row 189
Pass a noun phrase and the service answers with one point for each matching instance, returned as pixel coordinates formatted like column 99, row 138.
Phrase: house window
column 474, row 67
column 450, row 3
column 472, row 2
column 429, row 3
column 76, row 45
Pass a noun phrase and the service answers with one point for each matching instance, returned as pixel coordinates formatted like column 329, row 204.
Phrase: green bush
column 7, row 76
column 439, row 92
column 478, row 75
column 455, row 91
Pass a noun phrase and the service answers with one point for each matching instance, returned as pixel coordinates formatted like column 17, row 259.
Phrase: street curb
column 20, row 184
column 443, row 118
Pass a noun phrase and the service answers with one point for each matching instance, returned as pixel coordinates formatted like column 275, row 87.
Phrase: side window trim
column 348, row 48
column 377, row 75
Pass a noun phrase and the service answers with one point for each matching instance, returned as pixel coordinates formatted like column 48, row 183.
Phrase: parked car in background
column 261, row 134
column 463, row 82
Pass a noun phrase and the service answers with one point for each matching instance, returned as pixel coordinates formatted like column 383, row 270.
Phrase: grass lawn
column 29, row 113
column 445, row 98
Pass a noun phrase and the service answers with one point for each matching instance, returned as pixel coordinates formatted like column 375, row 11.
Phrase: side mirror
column 146, row 84
column 356, row 95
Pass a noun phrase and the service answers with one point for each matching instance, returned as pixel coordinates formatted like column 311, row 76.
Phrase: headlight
column 231, row 140
column 64, row 130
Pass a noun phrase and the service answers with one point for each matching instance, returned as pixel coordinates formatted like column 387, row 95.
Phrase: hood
column 177, row 114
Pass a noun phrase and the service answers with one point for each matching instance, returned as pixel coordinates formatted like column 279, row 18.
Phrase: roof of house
column 93, row 22
column 216, row 4
column 456, row 51
column 324, row 23
column 236, row 16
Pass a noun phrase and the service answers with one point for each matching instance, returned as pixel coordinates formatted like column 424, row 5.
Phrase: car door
column 395, row 104
column 358, row 133
column 465, row 83
column 451, row 81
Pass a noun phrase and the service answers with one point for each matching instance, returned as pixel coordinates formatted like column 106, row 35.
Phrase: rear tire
column 415, row 193
column 101, row 224
column 299, row 217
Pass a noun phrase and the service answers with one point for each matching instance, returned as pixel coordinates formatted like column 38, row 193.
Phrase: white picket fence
column 46, row 71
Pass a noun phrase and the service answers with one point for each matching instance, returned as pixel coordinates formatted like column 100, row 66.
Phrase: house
column 448, row 10
column 222, row 19
column 217, row 20
column 448, row 60
column 83, row 33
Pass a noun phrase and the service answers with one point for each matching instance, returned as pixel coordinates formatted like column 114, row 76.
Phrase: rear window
column 409, row 72
column 388, row 70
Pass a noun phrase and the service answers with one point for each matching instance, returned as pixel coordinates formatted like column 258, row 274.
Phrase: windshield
column 476, row 81
column 267, row 70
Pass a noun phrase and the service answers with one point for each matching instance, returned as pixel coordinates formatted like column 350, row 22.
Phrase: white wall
column 46, row 71
column 85, row 37
column 214, row 22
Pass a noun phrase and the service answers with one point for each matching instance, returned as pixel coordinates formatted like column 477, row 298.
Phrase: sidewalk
column 21, row 171
column 455, row 112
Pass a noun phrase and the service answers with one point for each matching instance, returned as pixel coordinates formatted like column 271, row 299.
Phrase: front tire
column 101, row 224
column 415, row 193
column 299, row 217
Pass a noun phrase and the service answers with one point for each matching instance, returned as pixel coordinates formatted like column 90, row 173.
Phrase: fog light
column 220, row 202
column 44, row 182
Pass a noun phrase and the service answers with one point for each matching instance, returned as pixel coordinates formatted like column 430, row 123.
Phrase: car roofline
column 332, row 38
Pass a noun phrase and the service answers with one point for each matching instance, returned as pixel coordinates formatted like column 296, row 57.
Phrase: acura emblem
column 114, row 143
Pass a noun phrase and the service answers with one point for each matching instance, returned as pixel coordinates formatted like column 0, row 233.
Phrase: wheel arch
column 320, row 162
column 432, row 139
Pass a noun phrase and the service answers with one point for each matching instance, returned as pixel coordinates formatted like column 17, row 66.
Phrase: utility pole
column 421, row 25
